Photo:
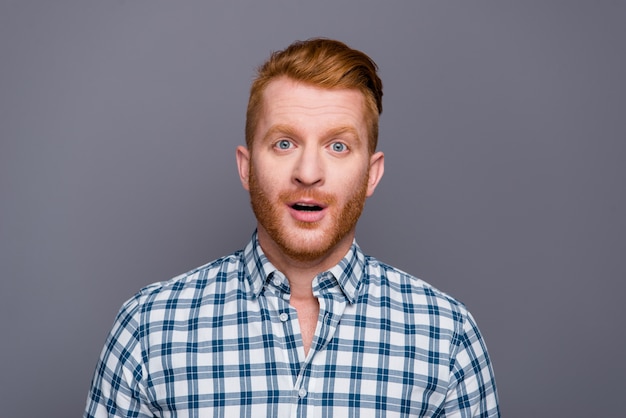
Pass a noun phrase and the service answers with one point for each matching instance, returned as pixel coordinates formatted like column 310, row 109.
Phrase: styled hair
column 323, row 63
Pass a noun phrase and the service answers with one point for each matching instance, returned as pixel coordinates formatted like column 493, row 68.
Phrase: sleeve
column 472, row 390
column 116, row 388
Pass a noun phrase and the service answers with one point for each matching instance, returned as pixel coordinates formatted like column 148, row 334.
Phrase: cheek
column 272, row 171
column 266, row 180
column 359, row 175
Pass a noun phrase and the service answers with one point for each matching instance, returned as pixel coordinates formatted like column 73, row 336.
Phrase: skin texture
column 309, row 152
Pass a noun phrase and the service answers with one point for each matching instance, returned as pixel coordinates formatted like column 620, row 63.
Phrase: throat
column 308, row 313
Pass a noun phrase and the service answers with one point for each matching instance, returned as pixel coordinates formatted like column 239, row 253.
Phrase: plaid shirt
column 223, row 341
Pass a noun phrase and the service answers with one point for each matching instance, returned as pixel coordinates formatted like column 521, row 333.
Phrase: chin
column 307, row 244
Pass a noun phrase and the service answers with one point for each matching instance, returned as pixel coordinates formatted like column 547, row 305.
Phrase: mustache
column 314, row 195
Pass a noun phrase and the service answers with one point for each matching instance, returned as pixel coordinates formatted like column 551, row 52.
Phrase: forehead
column 287, row 101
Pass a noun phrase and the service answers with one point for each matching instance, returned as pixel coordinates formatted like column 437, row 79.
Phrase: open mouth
column 306, row 208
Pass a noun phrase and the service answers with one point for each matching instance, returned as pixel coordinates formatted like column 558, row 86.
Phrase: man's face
column 309, row 170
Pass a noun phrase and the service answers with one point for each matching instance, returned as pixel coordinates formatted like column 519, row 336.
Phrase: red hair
column 324, row 63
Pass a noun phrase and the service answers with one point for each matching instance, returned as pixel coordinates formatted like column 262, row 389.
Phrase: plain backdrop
column 505, row 139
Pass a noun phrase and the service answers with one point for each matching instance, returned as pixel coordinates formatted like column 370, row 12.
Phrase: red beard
column 293, row 242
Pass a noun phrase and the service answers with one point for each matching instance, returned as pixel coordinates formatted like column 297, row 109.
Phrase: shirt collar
column 258, row 267
column 348, row 272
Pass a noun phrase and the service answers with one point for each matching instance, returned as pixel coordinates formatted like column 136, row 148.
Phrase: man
column 300, row 323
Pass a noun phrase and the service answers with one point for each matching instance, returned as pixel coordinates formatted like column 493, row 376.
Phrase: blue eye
column 283, row 144
column 338, row 147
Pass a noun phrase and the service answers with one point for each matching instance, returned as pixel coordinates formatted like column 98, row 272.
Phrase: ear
column 377, row 169
column 243, row 165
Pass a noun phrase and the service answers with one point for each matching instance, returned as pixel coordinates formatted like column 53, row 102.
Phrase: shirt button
column 283, row 317
column 302, row 393
column 276, row 282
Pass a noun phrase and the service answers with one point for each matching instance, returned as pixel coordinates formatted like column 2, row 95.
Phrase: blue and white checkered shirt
column 223, row 341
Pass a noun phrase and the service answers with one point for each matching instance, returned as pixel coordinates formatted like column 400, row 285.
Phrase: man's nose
column 309, row 169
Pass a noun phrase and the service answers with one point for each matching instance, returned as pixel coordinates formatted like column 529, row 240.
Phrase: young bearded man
column 300, row 323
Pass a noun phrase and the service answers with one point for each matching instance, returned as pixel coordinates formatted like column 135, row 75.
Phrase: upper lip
column 307, row 202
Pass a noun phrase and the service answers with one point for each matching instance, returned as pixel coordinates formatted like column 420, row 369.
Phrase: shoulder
column 412, row 294
column 189, row 289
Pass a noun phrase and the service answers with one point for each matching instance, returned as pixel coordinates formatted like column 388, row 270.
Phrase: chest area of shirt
column 258, row 352
column 260, row 367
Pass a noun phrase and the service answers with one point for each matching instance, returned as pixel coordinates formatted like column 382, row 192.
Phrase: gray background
column 504, row 136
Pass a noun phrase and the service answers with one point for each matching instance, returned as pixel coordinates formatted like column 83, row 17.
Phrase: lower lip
column 307, row 216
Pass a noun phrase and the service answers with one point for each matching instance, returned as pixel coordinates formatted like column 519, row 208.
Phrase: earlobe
column 242, row 154
column 377, row 169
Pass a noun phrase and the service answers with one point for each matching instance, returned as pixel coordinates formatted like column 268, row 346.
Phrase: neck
column 301, row 273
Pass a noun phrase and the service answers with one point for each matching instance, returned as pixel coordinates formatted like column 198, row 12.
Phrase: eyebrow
column 293, row 132
column 280, row 129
